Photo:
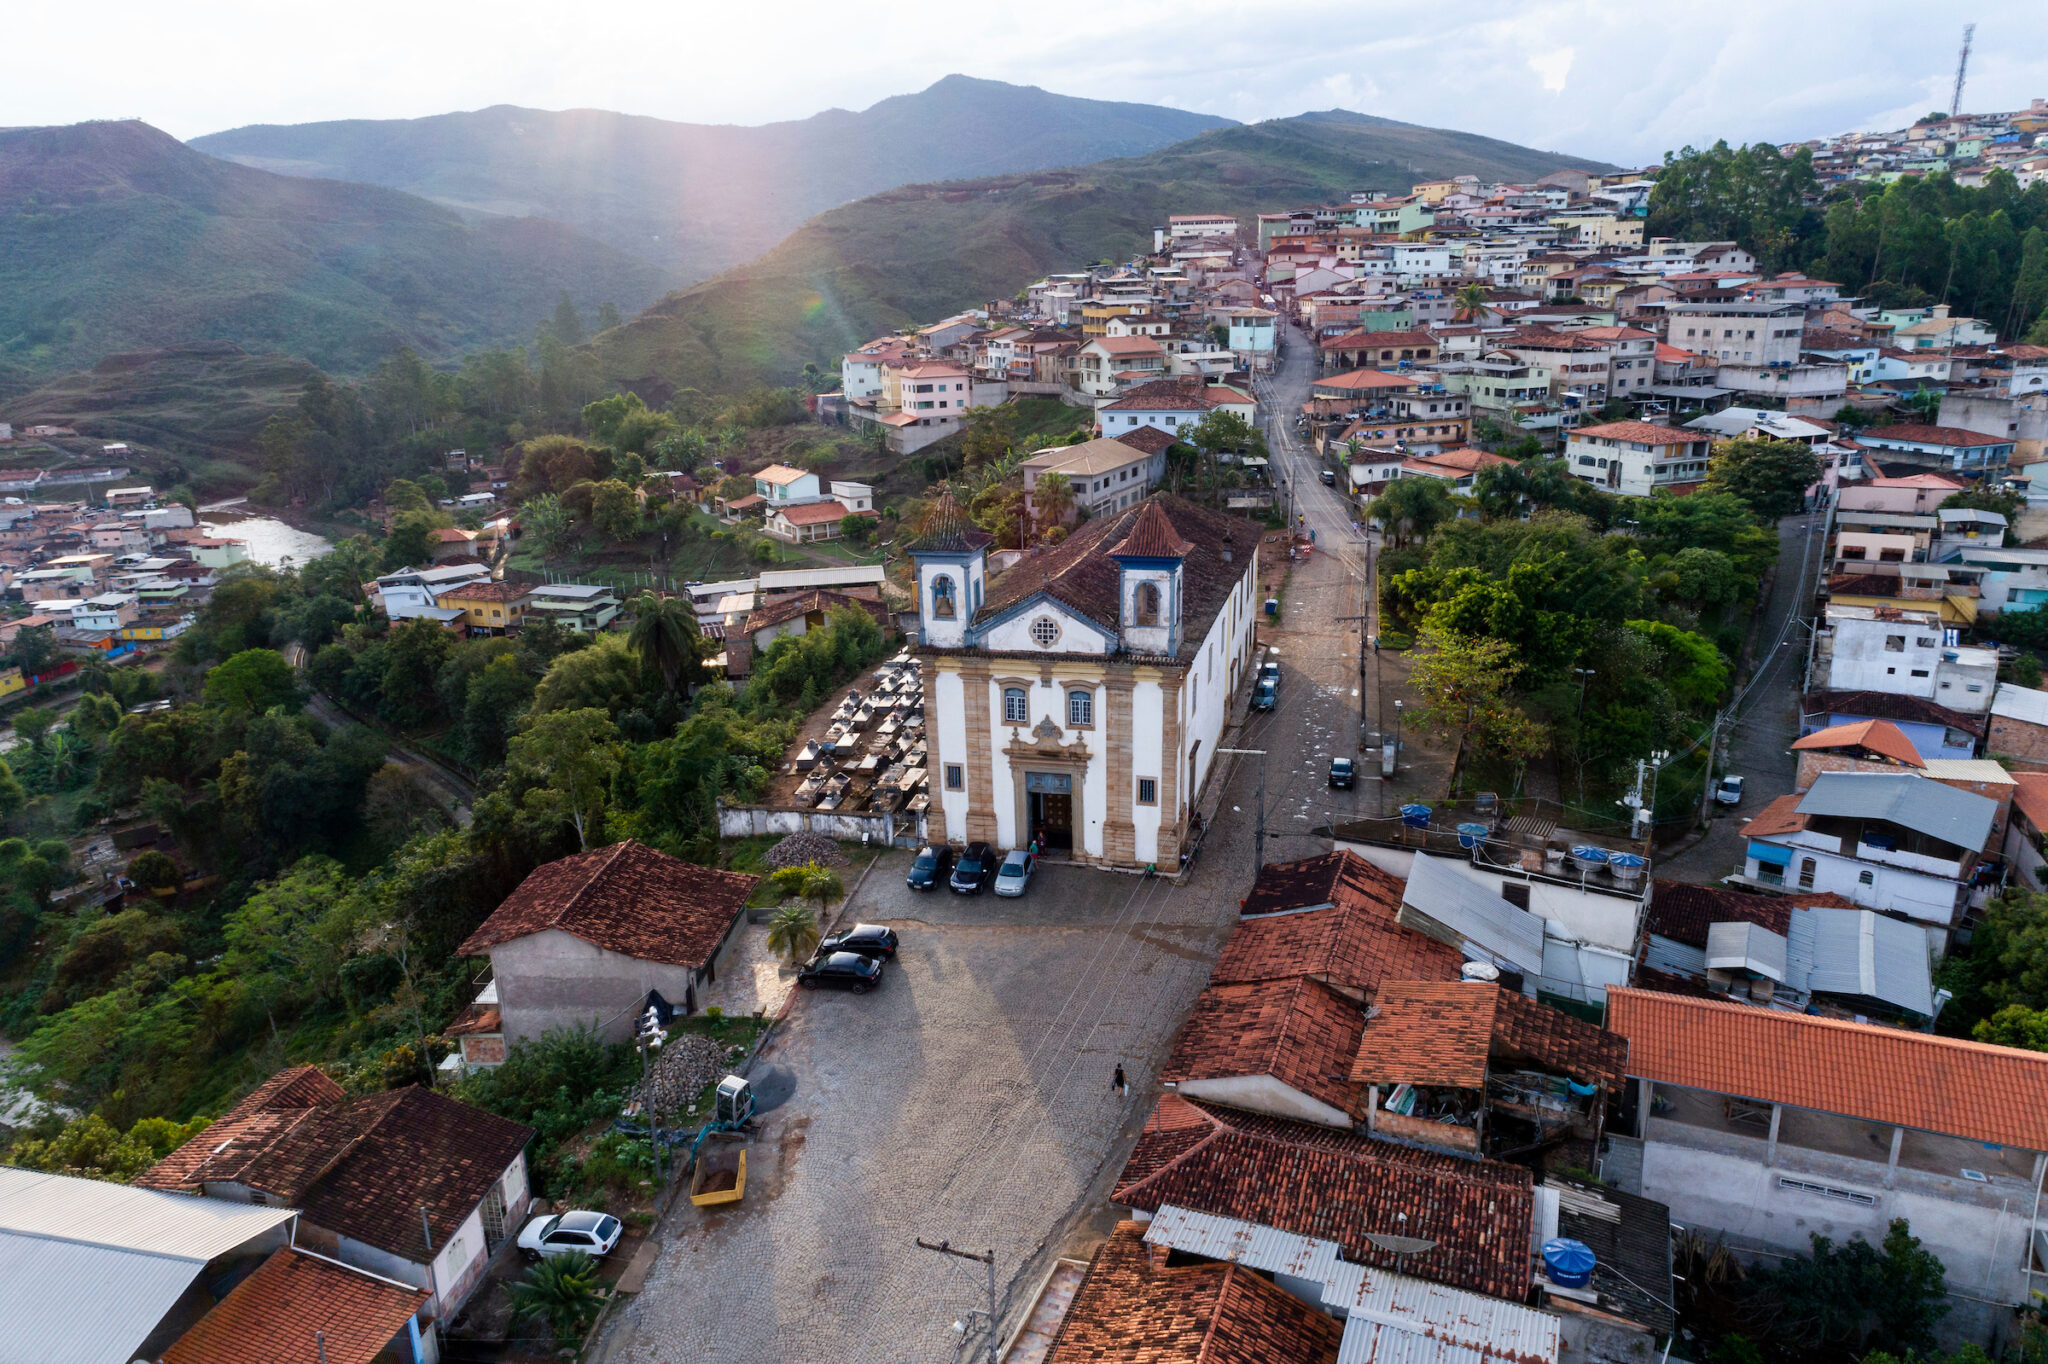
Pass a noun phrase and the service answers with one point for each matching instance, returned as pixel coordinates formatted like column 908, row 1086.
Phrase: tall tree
column 1770, row 476
column 665, row 636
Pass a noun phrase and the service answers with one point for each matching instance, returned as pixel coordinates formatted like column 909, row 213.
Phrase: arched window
column 1145, row 610
column 1806, row 873
column 942, row 597
column 1015, row 710
column 1080, row 708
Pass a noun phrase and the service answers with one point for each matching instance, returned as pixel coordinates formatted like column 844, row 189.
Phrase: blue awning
column 1765, row 852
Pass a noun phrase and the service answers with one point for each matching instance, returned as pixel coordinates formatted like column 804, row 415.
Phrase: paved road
column 1759, row 738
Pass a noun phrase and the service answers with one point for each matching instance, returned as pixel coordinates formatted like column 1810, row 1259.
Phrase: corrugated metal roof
column 1746, row 947
column 1907, row 799
column 1462, row 907
column 1680, row 959
column 88, row 1269
column 1432, row 1318
column 1859, row 952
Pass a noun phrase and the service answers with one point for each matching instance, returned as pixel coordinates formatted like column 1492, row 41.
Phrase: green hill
column 916, row 253
column 117, row 237
column 698, row 198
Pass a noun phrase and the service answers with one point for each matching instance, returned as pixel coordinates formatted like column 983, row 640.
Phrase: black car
column 930, row 867
column 977, row 868
column 847, row 969
column 1343, row 772
column 869, row 940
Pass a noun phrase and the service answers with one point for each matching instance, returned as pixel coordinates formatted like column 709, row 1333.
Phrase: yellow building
column 487, row 607
column 12, row 683
column 1095, row 316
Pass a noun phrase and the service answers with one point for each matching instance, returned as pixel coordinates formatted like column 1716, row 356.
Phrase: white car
column 1729, row 792
column 1015, row 873
column 564, row 1233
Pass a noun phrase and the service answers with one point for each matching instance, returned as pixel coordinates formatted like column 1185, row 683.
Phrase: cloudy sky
column 1615, row 81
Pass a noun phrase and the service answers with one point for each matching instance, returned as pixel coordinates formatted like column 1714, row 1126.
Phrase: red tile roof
column 1881, row 737
column 271, row 1316
column 267, row 1114
column 1363, row 340
column 812, row 513
column 1890, row 706
column 1132, row 1309
column 1644, row 432
column 1152, row 536
column 1883, row 1075
column 1354, row 943
column 1781, row 816
column 1337, row 1186
column 2032, row 796
column 1300, row 1031
column 1683, row 912
column 1444, row 1033
column 1933, row 435
column 1364, row 379
column 626, row 898
column 1150, row 439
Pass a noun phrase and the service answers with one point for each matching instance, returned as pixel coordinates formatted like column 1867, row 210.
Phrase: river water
column 271, row 541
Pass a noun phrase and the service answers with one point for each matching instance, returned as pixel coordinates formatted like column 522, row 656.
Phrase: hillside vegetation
column 117, row 237
column 699, row 198
column 916, row 253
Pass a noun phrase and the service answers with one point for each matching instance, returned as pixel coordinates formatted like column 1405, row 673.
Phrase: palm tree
column 793, row 932
column 1470, row 300
column 1051, row 499
column 564, row 1291
column 664, row 635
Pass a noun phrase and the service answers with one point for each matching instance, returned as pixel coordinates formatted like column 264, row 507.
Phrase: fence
column 900, row 830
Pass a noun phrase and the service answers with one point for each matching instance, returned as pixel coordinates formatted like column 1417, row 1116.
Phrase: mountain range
column 697, row 198
column 916, row 253
column 116, row 237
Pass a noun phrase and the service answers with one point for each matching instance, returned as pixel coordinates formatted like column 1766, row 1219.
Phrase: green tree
column 1984, row 497
column 793, row 932
column 809, row 882
column 404, row 495
column 566, row 761
column 32, row 725
column 615, row 511
column 564, row 1291
column 1470, row 299
column 90, row 1147
column 35, row 649
column 2015, row 1025
column 12, row 797
column 546, row 520
column 567, row 323
column 1413, row 508
column 1770, row 476
column 411, row 541
column 251, row 682
column 1845, row 1300
column 665, row 637
column 606, row 676
column 153, row 870
column 1465, row 687
column 989, row 433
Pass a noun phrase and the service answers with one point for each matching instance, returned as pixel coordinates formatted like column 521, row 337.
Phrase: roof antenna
column 320, row 1344
column 426, row 1227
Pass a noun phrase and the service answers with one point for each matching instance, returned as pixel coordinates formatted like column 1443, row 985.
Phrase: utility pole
column 989, row 1259
column 1707, row 781
column 1955, row 103
column 1259, row 830
column 1364, row 643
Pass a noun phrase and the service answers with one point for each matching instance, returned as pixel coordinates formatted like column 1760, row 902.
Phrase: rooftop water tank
column 1480, row 970
column 1568, row 1263
column 1415, row 816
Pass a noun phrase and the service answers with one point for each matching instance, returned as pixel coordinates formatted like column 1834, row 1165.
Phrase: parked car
column 1266, row 695
column 1269, row 668
column 1329, row 478
column 870, row 940
column 1729, row 792
column 565, row 1233
column 848, row 970
column 1343, row 773
column 1015, row 873
column 976, row 868
column 930, row 868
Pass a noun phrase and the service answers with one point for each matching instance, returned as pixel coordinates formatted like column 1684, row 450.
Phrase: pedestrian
column 1119, row 1084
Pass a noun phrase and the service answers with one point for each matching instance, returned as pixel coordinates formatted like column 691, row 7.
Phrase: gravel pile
column 800, row 848
column 689, row 1061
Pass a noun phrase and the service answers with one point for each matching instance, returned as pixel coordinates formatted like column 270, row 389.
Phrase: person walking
column 1119, row 1084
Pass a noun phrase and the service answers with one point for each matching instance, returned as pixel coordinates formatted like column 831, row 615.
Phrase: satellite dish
column 1400, row 1245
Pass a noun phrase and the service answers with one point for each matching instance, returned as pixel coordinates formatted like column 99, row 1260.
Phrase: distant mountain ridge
column 699, row 198
column 116, row 237
column 916, row 253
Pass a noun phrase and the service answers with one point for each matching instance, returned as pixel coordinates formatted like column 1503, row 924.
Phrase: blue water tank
column 1415, row 816
column 1568, row 1263
column 1472, row 835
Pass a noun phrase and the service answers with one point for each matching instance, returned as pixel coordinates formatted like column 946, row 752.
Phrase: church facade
column 1079, row 696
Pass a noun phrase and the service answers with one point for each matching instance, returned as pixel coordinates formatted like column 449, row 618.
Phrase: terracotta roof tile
column 626, row 898
column 1890, row 706
column 1151, row 536
column 2031, row 796
column 419, row 1149
column 1355, row 943
column 1363, row 379
column 1781, row 816
column 487, row 591
column 1363, row 340
column 812, row 513
column 270, row 1110
column 1858, row 1070
column 1881, row 737
column 1132, row 1309
column 1148, row 439
column 1300, row 1031
column 1337, row 1186
column 1643, row 432
column 271, row 1316
column 1445, row 1033
column 1933, row 435
column 1683, row 912
column 947, row 529
column 1079, row 572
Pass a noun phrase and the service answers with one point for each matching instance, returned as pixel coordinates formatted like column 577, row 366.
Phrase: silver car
column 1015, row 873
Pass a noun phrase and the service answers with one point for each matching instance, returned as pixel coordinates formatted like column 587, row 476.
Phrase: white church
column 1079, row 696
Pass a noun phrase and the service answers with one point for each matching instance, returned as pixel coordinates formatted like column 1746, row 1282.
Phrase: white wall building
column 1080, row 696
column 1868, row 648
